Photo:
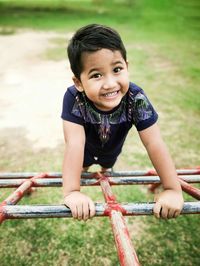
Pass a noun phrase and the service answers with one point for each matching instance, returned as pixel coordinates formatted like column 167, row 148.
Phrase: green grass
column 162, row 40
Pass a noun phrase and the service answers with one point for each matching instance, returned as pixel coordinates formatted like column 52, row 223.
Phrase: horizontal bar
column 193, row 171
column 57, row 182
column 23, row 175
column 50, row 211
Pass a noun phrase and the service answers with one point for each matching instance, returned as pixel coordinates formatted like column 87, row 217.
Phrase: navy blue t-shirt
column 106, row 130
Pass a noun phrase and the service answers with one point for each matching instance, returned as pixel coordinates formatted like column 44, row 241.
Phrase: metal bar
column 193, row 191
column 56, row 182
column 18, row 194
column 194, row 171
column 152, row 187
column 126, row 252
column 106, row 189
column 25, row 175
column 102, row 209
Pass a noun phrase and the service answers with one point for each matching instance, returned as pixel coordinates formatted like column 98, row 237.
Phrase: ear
column 78, row 84
column 127, row 63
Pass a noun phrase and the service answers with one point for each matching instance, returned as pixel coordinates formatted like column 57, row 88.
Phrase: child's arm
column 169, row 203
column 82, row 207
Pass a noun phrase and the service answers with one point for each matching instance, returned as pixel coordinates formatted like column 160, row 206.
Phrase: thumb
column 156, row 197
column 156, row 209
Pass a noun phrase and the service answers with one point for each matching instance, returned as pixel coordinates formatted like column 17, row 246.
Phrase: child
column 99, row 110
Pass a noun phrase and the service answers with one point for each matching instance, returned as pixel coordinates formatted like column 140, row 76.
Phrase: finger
column 156, row 196
column 164, row 212
column 72, row 209
column 74, row 212
column 176, row 214
column 85, row 211
column 92, row 209
column 157, row 209
column 80, row 212
column 171, row 213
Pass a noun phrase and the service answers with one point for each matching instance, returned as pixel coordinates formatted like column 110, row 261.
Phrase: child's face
column 104, row 78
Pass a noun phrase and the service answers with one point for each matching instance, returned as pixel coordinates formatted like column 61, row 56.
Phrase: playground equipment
column 116, row 211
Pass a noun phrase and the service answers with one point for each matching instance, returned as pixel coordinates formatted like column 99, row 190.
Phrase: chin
column 111, row 106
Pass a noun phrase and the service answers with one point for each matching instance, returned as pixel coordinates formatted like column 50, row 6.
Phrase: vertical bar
column 152, row 187
column 126, row 252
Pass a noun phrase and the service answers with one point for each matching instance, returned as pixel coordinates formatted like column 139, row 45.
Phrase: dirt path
column 31, row 88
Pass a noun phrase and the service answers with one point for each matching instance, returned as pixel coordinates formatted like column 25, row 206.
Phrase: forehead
column 100, row 59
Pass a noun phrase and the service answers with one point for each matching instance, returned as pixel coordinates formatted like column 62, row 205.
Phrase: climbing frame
column 111, row 208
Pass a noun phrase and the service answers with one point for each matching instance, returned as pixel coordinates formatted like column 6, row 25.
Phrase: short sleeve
column 68, row 103
column 144, row 115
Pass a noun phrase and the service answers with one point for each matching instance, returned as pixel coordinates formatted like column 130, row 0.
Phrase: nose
column 109, row 82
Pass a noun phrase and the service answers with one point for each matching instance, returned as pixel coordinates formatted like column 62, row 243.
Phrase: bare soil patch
column 32, row 88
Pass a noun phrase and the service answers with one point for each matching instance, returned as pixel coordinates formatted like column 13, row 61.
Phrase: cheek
column 91, row 92
column 93, row 87
column 125, row 88
column 125, row 83
column 124, row 77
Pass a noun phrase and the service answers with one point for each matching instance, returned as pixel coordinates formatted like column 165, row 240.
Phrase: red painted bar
column 193, row 191
column 152, row 187
column 18, row 194
column 107, row 191
column 126, row 252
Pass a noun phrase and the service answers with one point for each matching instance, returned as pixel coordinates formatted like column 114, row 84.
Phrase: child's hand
column 169, row 204
column 81, row 206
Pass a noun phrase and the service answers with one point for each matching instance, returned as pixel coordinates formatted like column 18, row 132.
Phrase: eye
column 96, row 76
column 117, row 69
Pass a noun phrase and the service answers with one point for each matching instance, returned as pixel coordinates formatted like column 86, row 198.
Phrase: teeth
column 110, row 94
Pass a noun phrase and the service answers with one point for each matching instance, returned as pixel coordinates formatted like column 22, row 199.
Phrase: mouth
column 110, row 94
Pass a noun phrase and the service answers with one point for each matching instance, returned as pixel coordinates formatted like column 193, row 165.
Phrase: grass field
column 162, row 40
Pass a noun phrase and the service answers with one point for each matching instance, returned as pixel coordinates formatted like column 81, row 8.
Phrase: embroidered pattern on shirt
column 137, row 108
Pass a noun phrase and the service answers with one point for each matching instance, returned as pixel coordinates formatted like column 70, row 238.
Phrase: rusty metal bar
column 193, row 191
column 23, row 175
column 56, row 182
column 102, row 209
column 18, row 194
column 126, row 252
column 152, row 187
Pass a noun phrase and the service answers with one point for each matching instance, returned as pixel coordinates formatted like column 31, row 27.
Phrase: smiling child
column 98, row 112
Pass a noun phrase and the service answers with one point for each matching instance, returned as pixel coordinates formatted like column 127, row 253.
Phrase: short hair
column 92, row 38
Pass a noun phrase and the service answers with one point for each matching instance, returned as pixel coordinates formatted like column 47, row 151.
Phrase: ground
column 32, row 87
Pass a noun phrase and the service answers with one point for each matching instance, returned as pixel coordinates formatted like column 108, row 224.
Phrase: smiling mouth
column 110, row 94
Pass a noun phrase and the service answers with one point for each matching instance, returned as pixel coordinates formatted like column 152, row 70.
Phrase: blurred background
column 162, row 42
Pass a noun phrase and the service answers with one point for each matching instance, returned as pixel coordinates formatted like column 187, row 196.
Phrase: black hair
column 92, row 38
